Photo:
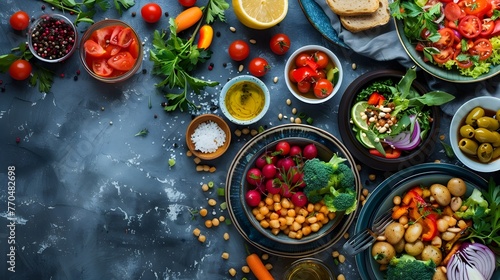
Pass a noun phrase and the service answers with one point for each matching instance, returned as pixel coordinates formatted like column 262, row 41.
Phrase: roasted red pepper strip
column 415, row 192
column 376, row 99
column 302, row 73
column 430, row 227
column 389, row 153
column 401, row 211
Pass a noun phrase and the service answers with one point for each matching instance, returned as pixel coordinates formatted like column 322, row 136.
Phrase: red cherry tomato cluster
column 111, row 51
column 279, row 171
column 468, row 25
column 310, row 74
column 239, row 50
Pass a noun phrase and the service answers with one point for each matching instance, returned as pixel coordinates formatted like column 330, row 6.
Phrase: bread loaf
column 353, row 7
column 363, row 22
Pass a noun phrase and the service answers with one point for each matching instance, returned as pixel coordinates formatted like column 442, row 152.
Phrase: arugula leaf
column 143, row 132
column 216, row 8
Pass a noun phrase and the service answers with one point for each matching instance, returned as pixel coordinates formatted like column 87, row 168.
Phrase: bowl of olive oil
column 244, row 99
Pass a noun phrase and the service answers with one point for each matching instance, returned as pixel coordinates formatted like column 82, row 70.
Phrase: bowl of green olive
column 475, row 134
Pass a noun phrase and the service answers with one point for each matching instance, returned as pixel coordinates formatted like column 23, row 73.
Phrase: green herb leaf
column 143, row 132
column 44, row 78
column 216, row 10
column 125, row 4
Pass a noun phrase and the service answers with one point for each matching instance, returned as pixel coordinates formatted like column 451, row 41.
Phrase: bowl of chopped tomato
column 111, row 51
column 313, row 74
column 456, row 41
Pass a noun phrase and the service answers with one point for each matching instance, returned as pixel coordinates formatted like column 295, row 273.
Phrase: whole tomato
column 187, row 3
column 20, row 69
column 323, row 88
column 258, row 67
column 239, row 50
column 151, row 12
column 279, row 43
column 19, row 20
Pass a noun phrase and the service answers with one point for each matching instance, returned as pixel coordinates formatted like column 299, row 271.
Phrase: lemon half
column 260, row 14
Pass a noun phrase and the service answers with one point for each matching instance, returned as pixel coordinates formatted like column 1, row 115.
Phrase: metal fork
column 364, row 239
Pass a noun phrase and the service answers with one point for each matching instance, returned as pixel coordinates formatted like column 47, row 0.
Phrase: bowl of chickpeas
column 268, row 209
column 475, row 134
column 441, row 188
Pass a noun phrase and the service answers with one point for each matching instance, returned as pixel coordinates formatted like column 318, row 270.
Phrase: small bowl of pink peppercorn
column 52, row 38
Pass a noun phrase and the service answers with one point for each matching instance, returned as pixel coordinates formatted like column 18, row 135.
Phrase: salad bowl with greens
column 457, row 41
column 389, row 120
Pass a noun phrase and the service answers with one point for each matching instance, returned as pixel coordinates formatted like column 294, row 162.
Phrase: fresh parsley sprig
column 175, row 58
column 40, row 75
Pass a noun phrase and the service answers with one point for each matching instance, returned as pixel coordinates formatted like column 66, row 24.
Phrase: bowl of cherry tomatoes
column 265, row 191
column 111, row 51
column 313, row 74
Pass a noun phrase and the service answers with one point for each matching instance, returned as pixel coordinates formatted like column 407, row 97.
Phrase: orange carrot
column 188, row 18
column 452, row 252
column 258, row 268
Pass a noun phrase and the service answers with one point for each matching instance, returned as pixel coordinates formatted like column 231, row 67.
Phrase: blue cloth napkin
column 382, row 44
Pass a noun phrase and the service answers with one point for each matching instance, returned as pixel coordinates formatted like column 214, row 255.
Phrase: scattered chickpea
column 346, row 235
column 215, row 222
column 212, row 202
column 232, row 30
column 196, row 232
column 240, row 69
column 292, row 119
column 206, row 167
column 203, row 212
column 245, row 269
column 245, row 131
column 298, row 121
column 341, row 258
column 212, row 169
column 204, row 187
column 232, row 271
column 335, row 254
column 437, row 161
column 354, row 66
column 396, row 200
column 254, row 132
column 280, row 116
column 275, row 80
column 268, row 266
column 225, row 255
column 362, row 198
column 237, row 132
column 294, row 111
column 288, row 102
column 372, row 177
column 197, row 160
column 358, row 167
column 189, row 153
column 208, row 223
column 264, row 257
column 253, row 41
column 222, row 219
column 340, row 277
column 365, row 192
column 226, row 236
column 442, row 137
column 202, row 238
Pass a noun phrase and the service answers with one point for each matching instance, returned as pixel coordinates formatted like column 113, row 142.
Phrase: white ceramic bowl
column 227, row 108
column 488, row 103
column 309, row 97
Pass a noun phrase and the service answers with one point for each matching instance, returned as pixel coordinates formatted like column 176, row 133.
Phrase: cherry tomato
column 323, row 88
column 482, row 48
column 304, row 86
column 20, row 20
column 477, row 7
column 101, row 67
column 444, row 55
column 20, row 69
column 321, row 59
column 151, row 12
column 487, row 27
column 453, row 12
column 238, row 50
column 187, row 3
column 447, row 38
column 301, row 59
column 122, row 61
column 470, row 26
column 280, row 43
column 258, row 67
column 283, row 147
column 93, row 49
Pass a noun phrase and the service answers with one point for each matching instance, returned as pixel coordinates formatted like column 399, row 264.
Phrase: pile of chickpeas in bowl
column 424, row 221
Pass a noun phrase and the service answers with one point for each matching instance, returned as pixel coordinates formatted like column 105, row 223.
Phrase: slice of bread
column 353, row 7
column 363, row 22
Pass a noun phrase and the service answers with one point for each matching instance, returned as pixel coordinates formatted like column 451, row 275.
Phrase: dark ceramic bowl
column 362, row 154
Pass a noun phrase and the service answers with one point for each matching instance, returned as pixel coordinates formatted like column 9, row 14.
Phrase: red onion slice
column 471, row 261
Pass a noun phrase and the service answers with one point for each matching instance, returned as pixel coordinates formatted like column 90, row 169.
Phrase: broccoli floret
column 476, row 205
column 332, row 181
column 341, row 201
column 409, row 268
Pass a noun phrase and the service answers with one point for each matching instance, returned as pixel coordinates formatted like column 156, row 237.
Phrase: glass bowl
column 111, row 51
column 52, row 38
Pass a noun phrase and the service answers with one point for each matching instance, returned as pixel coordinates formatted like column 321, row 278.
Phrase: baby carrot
column 206, row 35
column 258, row 268
column 188, row 18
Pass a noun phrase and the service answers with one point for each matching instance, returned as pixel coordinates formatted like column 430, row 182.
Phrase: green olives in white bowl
column 475, row 135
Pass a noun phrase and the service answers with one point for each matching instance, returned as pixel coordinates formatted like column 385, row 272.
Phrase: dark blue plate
column 381, row 201
column 235, row 189
column 319, row 20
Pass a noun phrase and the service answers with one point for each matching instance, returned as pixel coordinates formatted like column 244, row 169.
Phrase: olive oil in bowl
column 308, row 269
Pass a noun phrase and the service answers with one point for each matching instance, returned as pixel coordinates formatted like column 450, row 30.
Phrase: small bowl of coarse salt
column 208, row 136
